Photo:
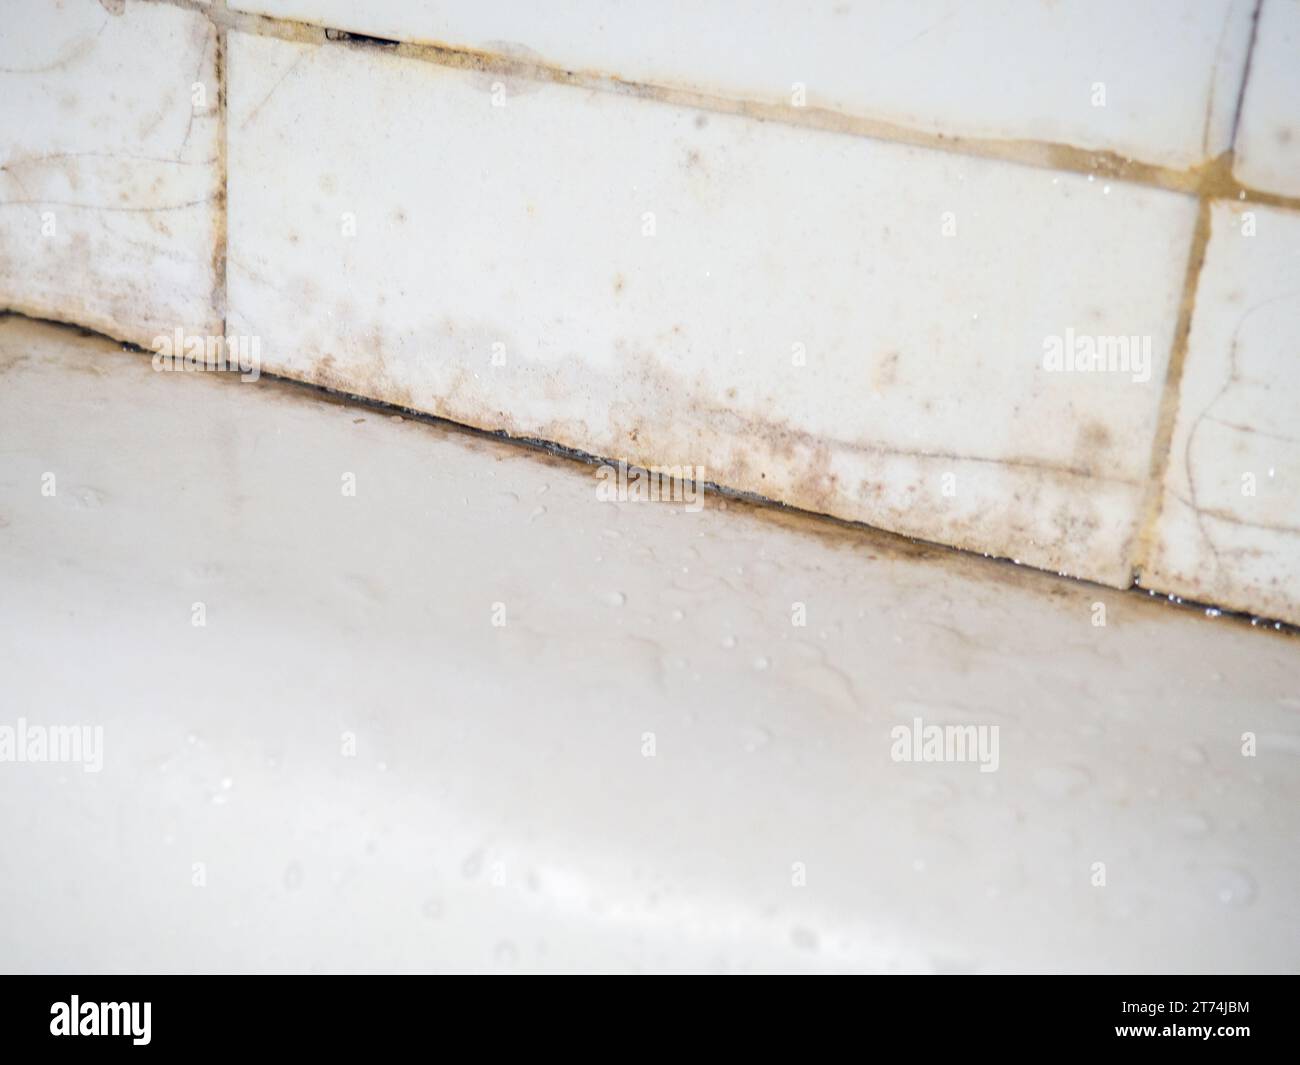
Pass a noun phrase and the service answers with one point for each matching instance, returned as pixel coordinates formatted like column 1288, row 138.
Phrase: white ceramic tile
column 109, row 183
column 1268, row 139
column 1001, row 69
column 798, row 324
column 500, row 811
column 1229, row 530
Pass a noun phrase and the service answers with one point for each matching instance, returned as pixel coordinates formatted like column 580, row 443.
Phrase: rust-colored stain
column 1168, row 416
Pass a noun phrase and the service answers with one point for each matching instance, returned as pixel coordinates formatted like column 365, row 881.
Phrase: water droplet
column 473, row 865
column 756, row 739
column 1192, row 754
column 1231, row 885
column 761, row 662
column 506, row 953
column 1062, row 781
column 1193, row 824
column 431, row 908
column 293, row 876
column 615, row 598
column 538, row 511
column 677, row 615
column 804, row 938
column 728, row 641
column 227, row 783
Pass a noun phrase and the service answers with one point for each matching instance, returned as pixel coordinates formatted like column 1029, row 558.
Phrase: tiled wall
column 110, row 169
column 837, row 254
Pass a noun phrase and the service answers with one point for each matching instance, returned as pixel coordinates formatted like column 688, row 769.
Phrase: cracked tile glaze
column 110, row 196
column 1268, row 136
column 799, row 323
column 499, row 811
column 1228, row 531
column 999, row 69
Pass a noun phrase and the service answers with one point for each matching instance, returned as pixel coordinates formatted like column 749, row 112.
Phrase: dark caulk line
column 914, row 548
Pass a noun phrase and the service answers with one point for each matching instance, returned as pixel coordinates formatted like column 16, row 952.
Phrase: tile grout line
column 1208, row 179
column 220, row 281
column 1167, row 415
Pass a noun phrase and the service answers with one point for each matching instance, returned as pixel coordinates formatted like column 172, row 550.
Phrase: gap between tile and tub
column 808, row 521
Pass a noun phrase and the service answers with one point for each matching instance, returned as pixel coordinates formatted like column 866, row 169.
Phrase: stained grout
column 220, row 256
column 1167, row 414
column 1210, row 179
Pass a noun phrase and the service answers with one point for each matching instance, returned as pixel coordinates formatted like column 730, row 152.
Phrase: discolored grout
column 1209, row 179
column 221, row 244
column 1167, row 417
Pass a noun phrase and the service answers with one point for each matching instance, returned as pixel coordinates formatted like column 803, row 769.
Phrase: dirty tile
column 1229, row 528
column 1268, row 137
column 501, row 724
column 1077, row 72
column 110, row 200
column 854, row 327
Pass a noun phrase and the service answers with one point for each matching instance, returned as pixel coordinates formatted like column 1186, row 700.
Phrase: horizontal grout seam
column 1212, row 179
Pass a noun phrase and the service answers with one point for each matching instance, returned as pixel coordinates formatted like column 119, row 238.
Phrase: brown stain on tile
column 648, row 414
column 861, row 543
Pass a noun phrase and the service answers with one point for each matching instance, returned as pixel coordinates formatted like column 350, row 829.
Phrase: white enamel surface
column 108, row 171
column 520, row 230
column 499, row 813
column 1268, row 140
column 1229, row 530
column 1001, row 69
